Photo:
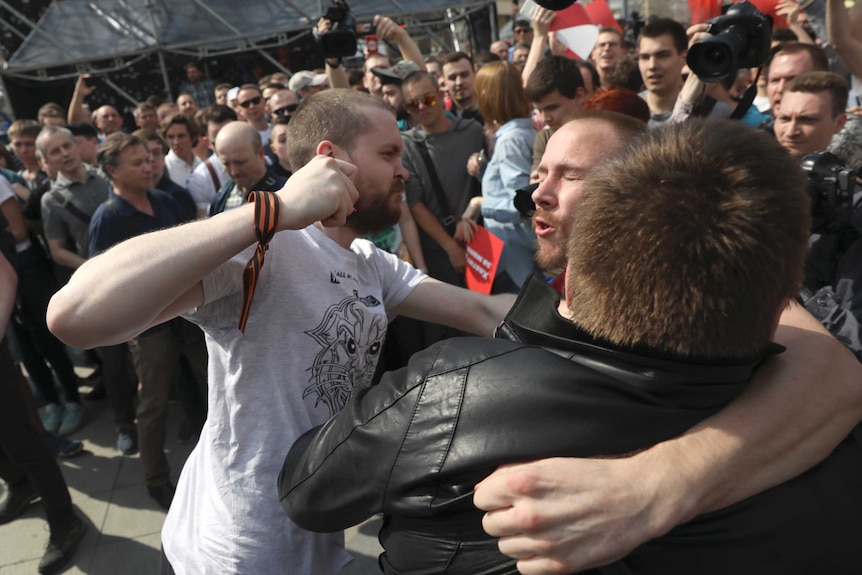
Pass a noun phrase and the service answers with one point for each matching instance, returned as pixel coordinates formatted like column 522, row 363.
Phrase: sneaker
column 163, row 494
column 20, row 496
column 61, row 547
column 63, row 447
column 97, row 393
column 127, row 440
column 71, row 420
column 52, row 415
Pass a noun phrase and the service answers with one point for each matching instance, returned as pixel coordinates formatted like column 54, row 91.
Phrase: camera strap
column 747, row 98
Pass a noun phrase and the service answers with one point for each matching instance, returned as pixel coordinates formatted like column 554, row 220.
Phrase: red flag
column 574, row 28
column 601, row 15
column 768, row 7
column 702, row 10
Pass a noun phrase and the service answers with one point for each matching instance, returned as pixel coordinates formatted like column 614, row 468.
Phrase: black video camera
column 340, row 40
column 524, row 200
column 831, row 187
column 740, row 39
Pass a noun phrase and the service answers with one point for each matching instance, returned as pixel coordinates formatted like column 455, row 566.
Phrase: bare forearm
column 124, row 290
column 429, row 224
column 409, row 50
column 337, row 77
column 855, row 14
column 801, row 404
column 65, row 257
column 8, row 283
column 537, row 52
column 840, row 32
column 801, row 34
column 76, row 106
column 411, row 238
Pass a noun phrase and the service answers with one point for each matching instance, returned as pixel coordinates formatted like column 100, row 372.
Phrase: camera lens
column 712, row 59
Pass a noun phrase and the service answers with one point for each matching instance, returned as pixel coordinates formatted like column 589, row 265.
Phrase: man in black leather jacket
column 661, row 328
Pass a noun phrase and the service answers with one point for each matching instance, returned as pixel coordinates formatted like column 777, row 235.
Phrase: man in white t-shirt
column 314, row 333
column 181, row 134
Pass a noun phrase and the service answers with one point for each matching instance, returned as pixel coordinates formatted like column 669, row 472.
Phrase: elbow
column 62, row 322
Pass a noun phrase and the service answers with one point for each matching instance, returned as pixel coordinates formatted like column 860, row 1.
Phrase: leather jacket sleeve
column 335, row 475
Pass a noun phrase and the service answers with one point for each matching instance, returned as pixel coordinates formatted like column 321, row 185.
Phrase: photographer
column 812, row 111
column 717, row 50
column 334, row 30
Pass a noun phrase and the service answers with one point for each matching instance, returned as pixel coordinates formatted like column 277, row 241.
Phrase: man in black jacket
column 677, row 276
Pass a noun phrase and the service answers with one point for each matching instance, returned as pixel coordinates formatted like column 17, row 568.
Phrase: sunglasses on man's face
column 251, row 102
column 284, row 111
column 521, row 30
column 428, row 100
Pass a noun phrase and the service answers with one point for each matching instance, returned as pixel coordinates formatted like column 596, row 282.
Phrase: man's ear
column 328, row 148
column 840, row 121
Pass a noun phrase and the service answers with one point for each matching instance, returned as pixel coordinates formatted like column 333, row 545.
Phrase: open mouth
column 542, row 227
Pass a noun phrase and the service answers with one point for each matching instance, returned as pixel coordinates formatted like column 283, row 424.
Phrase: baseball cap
column 232, row 93
column 397, row 73
column 304, row 79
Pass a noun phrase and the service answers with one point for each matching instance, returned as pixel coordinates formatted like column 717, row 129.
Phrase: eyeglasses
column 289, row 109
column 252, row 102
column 428, row 100
column 521, row 30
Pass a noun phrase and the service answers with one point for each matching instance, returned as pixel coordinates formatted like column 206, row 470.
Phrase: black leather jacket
column 414, row 446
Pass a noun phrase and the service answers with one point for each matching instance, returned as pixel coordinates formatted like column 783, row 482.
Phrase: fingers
column 386, row 27
column 494, row 492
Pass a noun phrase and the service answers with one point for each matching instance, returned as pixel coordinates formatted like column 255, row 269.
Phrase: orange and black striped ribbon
column 266, row 208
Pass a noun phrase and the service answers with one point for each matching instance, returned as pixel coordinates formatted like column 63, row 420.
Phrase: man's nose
column 544, row 196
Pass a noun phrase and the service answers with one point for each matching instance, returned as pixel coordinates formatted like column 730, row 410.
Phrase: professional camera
column 831, row 187
column 740, row 39
column 340, row 40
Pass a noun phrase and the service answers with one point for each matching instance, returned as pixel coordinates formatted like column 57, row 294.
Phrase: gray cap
column 397, row 73
column 304, row 79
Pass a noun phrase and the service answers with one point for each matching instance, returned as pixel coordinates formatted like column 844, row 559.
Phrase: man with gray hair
column 66, row 213
column 240, row 150
column 134, row 207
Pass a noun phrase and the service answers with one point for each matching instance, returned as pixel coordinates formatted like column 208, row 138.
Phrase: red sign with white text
column 483, row 257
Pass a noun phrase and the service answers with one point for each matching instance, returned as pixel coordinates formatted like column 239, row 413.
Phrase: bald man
column 240, row 149
column 107, row 120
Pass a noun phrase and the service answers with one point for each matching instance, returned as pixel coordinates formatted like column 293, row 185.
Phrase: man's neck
column 342, row 235
column 187, row 158
column 443, row 124
column 79, row 175
column 138, row 198
column 603, row 77
column 260, row 124
column 663, row 103
column 246, row 191
column 31, row 171
column 464, row 104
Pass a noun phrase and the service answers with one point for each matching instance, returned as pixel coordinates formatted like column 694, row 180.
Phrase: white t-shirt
column 6, row 191
column 178, row 170
column 315, row 333
column 200, row 183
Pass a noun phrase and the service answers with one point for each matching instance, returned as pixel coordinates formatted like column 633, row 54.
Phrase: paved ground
column 124, row 523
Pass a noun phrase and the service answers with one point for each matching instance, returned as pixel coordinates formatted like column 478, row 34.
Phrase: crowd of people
column 265, row 252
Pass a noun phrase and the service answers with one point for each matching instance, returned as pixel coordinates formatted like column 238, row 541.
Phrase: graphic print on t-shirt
column 351, row 338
